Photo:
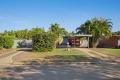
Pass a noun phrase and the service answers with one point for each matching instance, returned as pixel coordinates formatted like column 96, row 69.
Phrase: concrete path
column 8, row 59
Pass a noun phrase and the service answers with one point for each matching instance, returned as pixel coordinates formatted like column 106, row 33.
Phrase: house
column 22, row 43
column 78, row 40
column 82, row 41
column 112, row 42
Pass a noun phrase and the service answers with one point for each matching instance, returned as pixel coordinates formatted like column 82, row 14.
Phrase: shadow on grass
column 61, row 59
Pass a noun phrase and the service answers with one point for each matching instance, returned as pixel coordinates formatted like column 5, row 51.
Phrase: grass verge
column 108, row 51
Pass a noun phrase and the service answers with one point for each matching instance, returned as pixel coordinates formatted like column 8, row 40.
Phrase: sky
column 70, row 14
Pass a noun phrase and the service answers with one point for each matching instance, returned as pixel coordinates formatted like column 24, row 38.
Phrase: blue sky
column 26, row 14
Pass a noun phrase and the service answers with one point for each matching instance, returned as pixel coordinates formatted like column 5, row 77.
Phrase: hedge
column 1, row 42
column 6, row 41
column 43, row 42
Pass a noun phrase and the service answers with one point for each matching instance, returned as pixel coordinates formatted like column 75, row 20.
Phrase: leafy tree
column 6, row 41
column 56, row 29
column 72, row 33
column 35, row 31
column 1, row 42
column 43, row 42
column 58, row 33
column 116, row 33
column 24, row 34
column 99, row 28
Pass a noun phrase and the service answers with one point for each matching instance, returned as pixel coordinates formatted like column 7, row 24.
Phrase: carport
column 80, row 40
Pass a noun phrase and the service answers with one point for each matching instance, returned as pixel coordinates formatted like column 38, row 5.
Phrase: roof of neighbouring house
column 118, row 36
column 83, row 35
column 79, row 35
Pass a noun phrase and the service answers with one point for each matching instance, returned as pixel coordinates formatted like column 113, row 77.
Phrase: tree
column 35, row 31
column 58, row 32
column 116, row 33
column 43, row 42
column 6, row 41
column 56, row 29
column 24, row 34
column 99, row 28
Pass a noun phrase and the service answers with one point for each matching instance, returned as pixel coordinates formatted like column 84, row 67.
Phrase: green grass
column 62, row 52
column 109, row 51
column 61, row 55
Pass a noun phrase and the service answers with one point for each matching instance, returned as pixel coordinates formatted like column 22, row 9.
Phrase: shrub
column 6, row 41
column 43, row 42
column 1, row 42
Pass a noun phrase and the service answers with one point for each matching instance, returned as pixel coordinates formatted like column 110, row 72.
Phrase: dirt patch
column 6, row 52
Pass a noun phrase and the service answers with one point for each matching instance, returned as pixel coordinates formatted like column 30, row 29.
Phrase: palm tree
column 56, row 29
column 99, row 28
column 58, row 32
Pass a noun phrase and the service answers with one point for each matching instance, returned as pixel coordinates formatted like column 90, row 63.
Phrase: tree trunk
column 96, row 44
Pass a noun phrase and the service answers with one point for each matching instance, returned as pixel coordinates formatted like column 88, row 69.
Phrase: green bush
column 6, row 41
column 1, row 42
column 43, row 42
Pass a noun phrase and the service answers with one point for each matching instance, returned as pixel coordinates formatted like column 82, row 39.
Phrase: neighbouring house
column 82, row 41
column 22, row 44
column 112, row 42
column 78, row 40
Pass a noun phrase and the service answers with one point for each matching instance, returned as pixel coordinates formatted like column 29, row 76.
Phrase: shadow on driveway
column 33, row 70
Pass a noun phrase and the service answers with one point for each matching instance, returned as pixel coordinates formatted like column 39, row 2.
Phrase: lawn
column 109, row 51
column 56, row 56
column 61, row 52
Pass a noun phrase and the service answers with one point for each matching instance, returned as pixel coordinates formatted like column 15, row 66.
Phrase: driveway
column 7, row 60
column 61, row 72
column 98, row 70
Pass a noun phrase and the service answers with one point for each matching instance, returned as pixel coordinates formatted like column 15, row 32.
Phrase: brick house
column 83, row 41
column 78, row 40
column 112, row 42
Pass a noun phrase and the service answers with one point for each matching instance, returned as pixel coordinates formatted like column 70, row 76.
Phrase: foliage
column 56, row 29
column 43, row 42
column 99, row 28
column 58, row 33
column 27, row 34
column 71, row 33
column 116, row 33
column 24, row 34
column 1, row 42
column 6, row 41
